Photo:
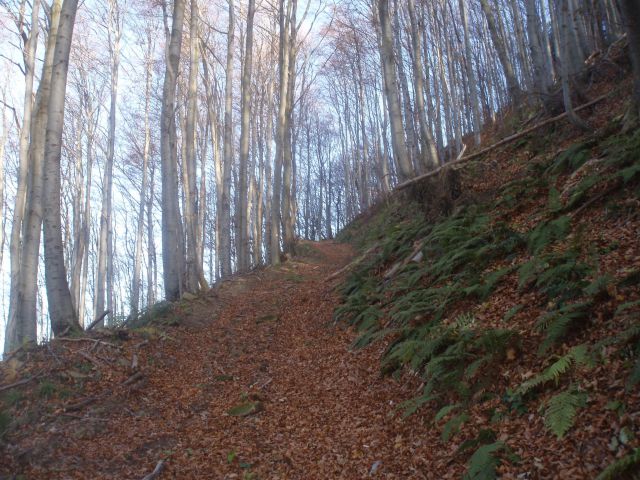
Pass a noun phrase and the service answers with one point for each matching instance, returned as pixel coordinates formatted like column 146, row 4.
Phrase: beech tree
column 61, row 311
column 172, row 246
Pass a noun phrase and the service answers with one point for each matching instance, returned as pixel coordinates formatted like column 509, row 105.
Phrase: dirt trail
column 268, row 338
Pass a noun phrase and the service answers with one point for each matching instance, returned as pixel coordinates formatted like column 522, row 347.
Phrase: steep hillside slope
column 514, row 299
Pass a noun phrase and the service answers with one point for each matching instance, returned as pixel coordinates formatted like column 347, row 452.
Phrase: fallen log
column 353, row 264
column 502, row 142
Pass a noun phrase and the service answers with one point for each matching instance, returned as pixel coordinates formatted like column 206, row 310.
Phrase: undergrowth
column 416, row 305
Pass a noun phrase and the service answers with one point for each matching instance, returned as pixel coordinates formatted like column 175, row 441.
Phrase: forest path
column 265, row 341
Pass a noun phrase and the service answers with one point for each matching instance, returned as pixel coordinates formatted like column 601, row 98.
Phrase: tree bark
column 104, row 275
column 227, row 154
column 21, row 329
column 498, row 43
column 61, row 311
column 391, row 91
column 172, row 253
column 195, row 272
column 631, row 17
column 283, row 68
column 137, row 267
column 242, row 242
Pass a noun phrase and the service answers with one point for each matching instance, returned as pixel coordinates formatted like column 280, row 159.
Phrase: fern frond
column 557, row 323
column 625, row 468
column 444, row 411
column 578, row 355
column 484, row 462
column 561, row 410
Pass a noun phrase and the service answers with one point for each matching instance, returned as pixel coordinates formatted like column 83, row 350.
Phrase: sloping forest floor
column 256, row 381
column 483, row 323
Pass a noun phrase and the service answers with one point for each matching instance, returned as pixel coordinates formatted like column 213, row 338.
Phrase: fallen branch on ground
column 156, row 471
column 504, row 141
column 353, row 264
column 18, row 383
column 401, row 264
column 87, row 339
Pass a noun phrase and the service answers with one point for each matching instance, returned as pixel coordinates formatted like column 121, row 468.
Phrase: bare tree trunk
column 61, row 311
column 152, row 270
column 631, row 17
column 471, row 75
column 225, row 213
column 212, row 105
column 288, row 176
column 268, row 174
column 566, row 48
column 283, row 67
column 540, row 74
column 428, row 148
column 391, row 92
column 194, row 271
column 242, row 242
column 498, row 43
column 17, row 330
column 104, row 276
column 3, row 143
column 135, row 281
column 172, row 253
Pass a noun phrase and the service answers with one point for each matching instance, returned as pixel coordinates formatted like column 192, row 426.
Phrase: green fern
column 561, row 410
column 484, row 462
column 548, row 232
column 453, row 426
column 577, row 356
column 571, row 159
column 444, row 411
column 558, row 323
column 625, row 468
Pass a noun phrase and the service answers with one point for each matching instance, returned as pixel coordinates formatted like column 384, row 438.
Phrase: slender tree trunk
column 631, row 17
column 136, row 281
column 21, row 329
column 242, row 242
column 152, row 270
column 498, row 43
column 194, row 271
column 391, row 91
column 283, row 67
column 225, row 213
column 61, row 311
column 288, row 174
column 536, row 50
column 172, row 252
column 3, row 143
column 103, row 279
column 471, row 75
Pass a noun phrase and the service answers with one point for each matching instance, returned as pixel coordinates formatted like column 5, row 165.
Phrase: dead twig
column 90, row 358
column 83, row 403
column 133, row 378
column 87, row 339
column 18, row 383
column 156, row 471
